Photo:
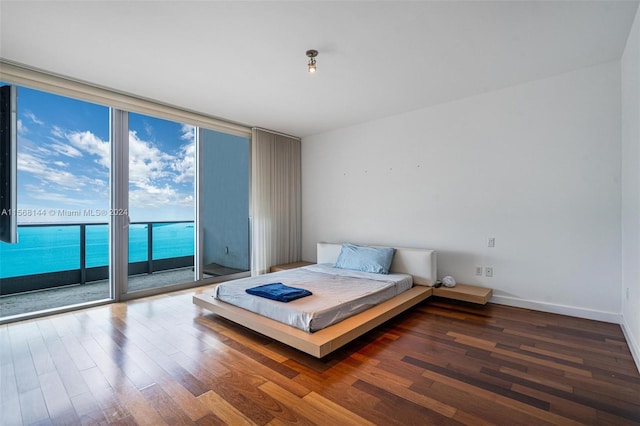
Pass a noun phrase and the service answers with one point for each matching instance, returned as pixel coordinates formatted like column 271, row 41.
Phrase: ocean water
column 55, row 248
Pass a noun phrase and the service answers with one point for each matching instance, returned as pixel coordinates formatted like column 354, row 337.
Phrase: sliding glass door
column 161, row 203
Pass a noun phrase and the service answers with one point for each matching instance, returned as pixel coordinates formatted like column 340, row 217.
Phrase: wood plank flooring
column 162, row 360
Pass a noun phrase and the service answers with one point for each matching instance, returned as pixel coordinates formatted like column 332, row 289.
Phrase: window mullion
column 119, row 202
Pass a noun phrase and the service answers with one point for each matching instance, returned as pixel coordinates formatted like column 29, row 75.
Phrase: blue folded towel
column 279, row 292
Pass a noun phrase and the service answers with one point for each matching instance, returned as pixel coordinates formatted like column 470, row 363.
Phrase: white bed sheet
column 337, row 294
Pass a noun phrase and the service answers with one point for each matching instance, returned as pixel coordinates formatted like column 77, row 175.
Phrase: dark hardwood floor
column 162, row 360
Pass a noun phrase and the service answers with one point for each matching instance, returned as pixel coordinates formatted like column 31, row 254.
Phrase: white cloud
column 57, row 132
column 146, row 162
column 186, row 201
column 148, row 128
column 66, row 150
column 188, row 132
column 48, row 175
column 62, row 200
column 30, row 163
column 22, row 129
column 91, row 144
column 157, row 178
column 146, row 195
column 185, row 163
column 31, row 116
column 59, row 181
column 26, row 145
column 151, row 172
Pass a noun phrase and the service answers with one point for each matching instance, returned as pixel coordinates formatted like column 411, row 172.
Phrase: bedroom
column 547, row 165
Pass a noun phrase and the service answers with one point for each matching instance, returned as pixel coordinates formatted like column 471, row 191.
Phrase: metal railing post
column 83, row 253
column 150, row 246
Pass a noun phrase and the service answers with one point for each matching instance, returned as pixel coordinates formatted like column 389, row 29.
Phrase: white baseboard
column 576, row 312
column 571, row 311
column 631, row 341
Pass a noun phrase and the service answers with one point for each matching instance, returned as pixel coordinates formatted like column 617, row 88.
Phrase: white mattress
column 337, row 294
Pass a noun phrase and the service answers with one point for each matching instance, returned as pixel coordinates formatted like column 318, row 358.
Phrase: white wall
column 537, row 166
column 631, row 188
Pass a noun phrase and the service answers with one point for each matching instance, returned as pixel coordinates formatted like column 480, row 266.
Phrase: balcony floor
column 57, row 297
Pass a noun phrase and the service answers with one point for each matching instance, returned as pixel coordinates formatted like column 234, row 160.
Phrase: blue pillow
column 366, row 259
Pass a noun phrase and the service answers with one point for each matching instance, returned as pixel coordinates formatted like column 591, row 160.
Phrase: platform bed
column 324, row 341
column 420, row 263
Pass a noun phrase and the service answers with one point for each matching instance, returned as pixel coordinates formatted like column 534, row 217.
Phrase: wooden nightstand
column 467, row 293
column 292, row 265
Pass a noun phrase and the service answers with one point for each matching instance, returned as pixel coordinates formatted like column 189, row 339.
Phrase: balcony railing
column 53, row 255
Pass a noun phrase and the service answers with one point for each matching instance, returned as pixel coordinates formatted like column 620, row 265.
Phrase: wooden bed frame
column 420, row 263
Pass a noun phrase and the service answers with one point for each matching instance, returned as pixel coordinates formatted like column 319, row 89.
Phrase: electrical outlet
column 488, row 271
column 479, row 271
column 492, row 242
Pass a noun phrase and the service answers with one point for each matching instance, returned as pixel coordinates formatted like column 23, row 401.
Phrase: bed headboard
column 420, row 263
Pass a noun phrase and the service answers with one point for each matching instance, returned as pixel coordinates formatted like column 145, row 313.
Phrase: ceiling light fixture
column 312, row 60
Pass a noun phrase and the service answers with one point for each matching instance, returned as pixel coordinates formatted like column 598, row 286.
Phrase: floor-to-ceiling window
column 114, row 204
column 224, row 203
column 161, row 202
column 63, row 203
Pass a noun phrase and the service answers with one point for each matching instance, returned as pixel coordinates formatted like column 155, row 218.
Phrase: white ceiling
column 245, row 61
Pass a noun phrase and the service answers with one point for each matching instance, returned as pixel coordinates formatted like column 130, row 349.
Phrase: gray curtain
column 276, row 222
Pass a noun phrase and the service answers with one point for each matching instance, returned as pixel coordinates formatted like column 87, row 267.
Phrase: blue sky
column 64, row 161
